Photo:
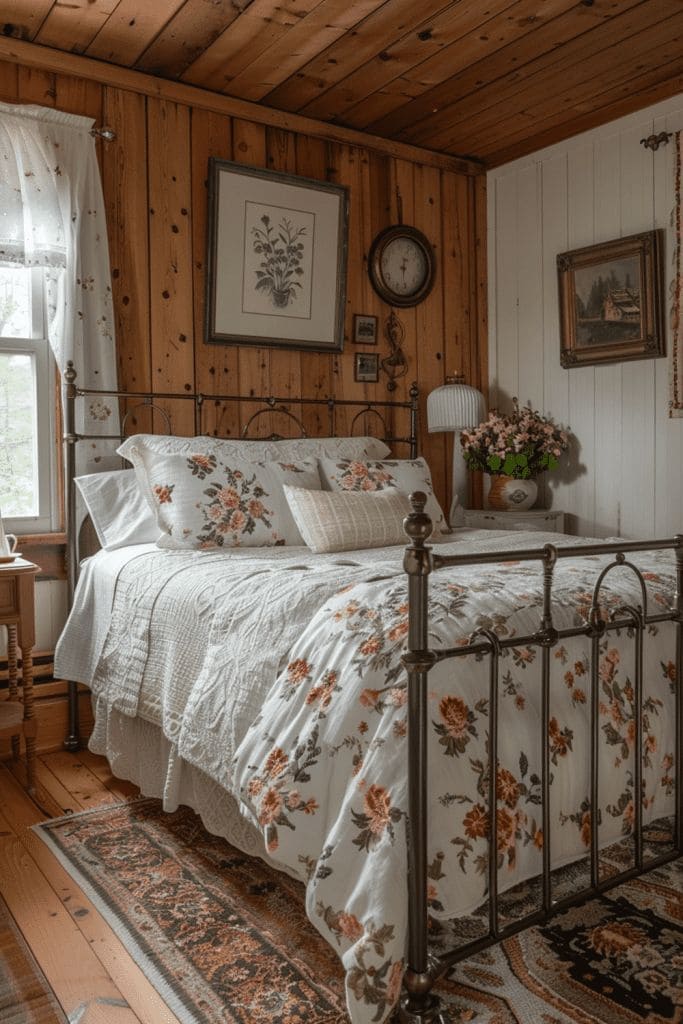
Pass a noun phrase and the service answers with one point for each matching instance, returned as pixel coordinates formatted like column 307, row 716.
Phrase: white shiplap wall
column 627, row 475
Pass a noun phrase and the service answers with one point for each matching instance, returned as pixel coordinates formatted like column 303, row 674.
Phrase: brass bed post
column 72, row 741
column 419, row 1005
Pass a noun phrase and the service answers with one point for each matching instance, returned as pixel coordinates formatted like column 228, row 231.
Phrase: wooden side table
column 17, row 613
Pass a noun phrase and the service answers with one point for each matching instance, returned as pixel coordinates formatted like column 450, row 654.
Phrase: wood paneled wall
column 624, row 476
column 155, row 176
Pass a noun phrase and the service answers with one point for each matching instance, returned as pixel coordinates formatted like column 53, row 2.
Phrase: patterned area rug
column 25, row 996
column 224, row 938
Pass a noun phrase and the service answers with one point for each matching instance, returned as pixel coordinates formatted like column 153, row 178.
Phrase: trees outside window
column 28, row 453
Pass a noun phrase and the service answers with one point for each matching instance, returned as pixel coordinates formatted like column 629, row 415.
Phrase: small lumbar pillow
column 118, row 509
column 334, row 521
column 201, row 502
column 405, row 475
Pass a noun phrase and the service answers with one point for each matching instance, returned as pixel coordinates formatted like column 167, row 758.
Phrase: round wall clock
column 401, row 265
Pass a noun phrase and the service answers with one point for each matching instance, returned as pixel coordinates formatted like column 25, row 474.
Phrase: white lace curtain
column 52, row 216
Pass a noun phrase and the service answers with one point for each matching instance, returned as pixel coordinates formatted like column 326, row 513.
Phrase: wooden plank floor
column 94, row 978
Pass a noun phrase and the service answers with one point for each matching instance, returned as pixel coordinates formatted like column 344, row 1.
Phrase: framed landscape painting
column 276, row 266
column 611, row 301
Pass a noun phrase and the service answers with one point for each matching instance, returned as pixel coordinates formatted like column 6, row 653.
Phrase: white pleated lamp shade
column 454, row 407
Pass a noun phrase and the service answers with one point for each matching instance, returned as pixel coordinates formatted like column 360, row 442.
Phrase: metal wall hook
column 653, row 142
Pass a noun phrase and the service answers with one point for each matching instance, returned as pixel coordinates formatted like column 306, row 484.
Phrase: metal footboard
column 419, row 1004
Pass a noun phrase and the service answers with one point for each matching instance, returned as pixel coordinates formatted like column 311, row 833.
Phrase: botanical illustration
column 608, row 302
column 278, row 260
column 281, row 251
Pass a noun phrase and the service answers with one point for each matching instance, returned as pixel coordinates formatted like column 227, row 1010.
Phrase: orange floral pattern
column 324, row 769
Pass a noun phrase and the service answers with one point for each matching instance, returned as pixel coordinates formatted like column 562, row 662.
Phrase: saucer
column 9, row 558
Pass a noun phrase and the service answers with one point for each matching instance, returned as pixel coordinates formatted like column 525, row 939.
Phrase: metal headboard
column 148, row 400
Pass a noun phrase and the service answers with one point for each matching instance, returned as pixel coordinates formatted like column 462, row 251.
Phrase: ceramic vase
column 507, row 494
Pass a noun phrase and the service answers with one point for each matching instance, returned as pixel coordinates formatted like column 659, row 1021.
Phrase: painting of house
column 506, row 134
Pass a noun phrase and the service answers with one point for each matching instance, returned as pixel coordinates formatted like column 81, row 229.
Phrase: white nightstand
column 545, row 519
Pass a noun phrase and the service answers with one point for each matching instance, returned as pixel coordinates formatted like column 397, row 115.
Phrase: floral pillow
column 407, row 475
column 202, row 502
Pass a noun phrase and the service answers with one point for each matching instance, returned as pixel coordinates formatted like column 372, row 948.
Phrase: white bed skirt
column 138, row 751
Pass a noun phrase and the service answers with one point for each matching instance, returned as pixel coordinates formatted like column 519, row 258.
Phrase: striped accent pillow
column 340, row 521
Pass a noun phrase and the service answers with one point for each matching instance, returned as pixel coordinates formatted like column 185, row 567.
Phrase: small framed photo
column 366, row 367
column 364, row 329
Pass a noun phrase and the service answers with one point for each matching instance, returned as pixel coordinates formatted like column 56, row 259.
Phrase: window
column 28, row 452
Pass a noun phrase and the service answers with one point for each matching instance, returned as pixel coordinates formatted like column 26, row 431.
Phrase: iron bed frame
column 148, row 400
column 420, row 1005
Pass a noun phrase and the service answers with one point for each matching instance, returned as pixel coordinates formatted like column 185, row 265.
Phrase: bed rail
column 419, row 1004
column 375, row 411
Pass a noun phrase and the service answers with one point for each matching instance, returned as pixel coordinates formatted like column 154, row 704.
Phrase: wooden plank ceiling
column 489, row 79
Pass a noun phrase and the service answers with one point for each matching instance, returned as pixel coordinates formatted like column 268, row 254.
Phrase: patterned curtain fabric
column 52, row 216
column 676, row 403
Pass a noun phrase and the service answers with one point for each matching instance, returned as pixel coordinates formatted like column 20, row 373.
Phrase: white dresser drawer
column 542, row 519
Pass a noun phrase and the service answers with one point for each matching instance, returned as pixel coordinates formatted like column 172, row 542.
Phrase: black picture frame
column 276, row 259
column 366, row 367
column 364, row 329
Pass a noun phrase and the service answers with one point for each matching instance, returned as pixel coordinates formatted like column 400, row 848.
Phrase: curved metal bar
column 146, row 405
column 619, row 562
column 369, row 412
column 273, row 408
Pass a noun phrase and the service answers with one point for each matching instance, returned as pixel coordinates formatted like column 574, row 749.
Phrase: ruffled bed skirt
column 138, row 751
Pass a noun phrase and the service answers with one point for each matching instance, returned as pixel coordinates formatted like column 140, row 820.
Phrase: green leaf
column 494, row 462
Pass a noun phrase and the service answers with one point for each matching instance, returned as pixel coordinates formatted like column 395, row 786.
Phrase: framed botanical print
column 276, row 266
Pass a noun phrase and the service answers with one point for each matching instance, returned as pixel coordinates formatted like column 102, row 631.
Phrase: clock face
column 401, row 266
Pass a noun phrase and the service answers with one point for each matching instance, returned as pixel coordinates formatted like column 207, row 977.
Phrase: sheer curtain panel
column 52, row 216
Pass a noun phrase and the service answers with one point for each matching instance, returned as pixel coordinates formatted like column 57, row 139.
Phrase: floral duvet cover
column 323, row 768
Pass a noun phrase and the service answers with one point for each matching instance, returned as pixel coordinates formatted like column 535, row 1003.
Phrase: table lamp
column 455, row 406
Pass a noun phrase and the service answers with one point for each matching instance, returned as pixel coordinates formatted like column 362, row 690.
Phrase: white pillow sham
column 118, row 509
column 293, row 449
column 406, row 475
column 201, row 501
column 338, row 521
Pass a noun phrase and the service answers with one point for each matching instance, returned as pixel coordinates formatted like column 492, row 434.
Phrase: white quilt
column 277, row 673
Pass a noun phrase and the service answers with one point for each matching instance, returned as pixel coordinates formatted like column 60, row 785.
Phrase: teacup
column 8, row 543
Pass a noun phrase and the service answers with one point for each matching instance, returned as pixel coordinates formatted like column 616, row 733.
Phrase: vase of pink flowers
column 514, row 450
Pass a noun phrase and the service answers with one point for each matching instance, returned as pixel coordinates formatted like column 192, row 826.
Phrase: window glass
column 27, row 413
column 19, row 491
